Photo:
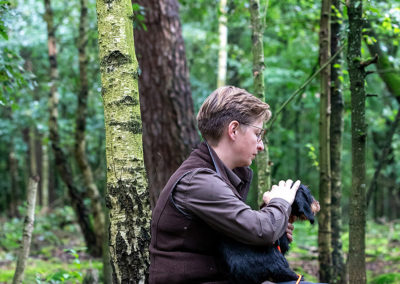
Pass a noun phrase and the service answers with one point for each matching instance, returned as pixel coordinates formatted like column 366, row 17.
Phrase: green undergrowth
column 386, row 278
column 52, row 270
column 382, row 251
column 57, row 254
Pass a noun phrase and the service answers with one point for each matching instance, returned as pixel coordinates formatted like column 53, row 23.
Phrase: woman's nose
column 260, row 146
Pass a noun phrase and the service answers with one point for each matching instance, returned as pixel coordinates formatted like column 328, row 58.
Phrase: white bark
column 223, row 44
column 27, row 232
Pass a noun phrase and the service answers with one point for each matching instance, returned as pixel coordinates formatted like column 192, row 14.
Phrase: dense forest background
column 60, row 250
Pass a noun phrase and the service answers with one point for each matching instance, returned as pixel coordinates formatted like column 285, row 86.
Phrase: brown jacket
column 186, row 232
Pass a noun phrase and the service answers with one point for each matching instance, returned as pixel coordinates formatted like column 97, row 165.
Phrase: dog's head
column 304, row 206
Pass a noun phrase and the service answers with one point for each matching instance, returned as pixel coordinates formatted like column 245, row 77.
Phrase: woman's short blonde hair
column 226, row 104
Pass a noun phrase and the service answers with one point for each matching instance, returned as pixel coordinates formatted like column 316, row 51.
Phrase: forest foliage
column 291, row 57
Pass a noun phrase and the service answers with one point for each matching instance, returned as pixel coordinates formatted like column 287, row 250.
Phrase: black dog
column 254, row 264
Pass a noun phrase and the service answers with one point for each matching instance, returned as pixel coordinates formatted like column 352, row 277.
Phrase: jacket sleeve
column 206, row 196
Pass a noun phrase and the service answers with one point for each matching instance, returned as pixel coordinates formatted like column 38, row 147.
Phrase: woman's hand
column 285, row 190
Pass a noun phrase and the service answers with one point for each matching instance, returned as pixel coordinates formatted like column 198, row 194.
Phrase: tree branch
column 306, row 83
column 369, row 61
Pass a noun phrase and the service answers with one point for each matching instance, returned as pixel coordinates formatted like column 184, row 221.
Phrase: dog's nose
column 315, row 207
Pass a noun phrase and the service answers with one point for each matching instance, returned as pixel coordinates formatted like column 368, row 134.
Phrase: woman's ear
column 233, row 128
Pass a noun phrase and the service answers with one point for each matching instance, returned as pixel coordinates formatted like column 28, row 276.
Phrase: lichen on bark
column 127, row 192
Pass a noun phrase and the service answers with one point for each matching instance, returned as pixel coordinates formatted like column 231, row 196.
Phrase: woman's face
column 247, row 144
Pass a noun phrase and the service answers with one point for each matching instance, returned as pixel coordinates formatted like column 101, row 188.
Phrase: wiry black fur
column 254, row 264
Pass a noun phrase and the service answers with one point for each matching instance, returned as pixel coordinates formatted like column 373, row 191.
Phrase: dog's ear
column 284, row 243
column 302, row 203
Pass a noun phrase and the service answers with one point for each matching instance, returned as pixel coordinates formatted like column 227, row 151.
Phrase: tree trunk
column 357, row 212
column 27, row 231
column 392, row 188
column 127, row 194
column 169, row 131
column 39, row 163
column 336, row 130
column 33, row 169
column 223, row 43
column 52, row 178
column 380, row 195
column 45, row 175
column 298, row 132
column 382, row 160
column 324, row 216
column 60, row 157
column 81, row 113
column 262, row 168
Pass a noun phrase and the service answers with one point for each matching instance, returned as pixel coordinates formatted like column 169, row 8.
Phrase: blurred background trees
column 175, row 77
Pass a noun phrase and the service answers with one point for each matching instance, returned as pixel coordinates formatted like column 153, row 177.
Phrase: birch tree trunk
column 27, row 231
column 324, row 216
column 262, row 165
column 336, row 130
column 161, row 54
column 127, row 195
column 61, row 160
column 357, row 211
column 33, row 169
column 223, row 43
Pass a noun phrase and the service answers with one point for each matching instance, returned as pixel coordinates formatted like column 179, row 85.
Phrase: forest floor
column 58, row 253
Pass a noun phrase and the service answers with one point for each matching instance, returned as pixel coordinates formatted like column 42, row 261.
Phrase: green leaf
column 135, row 7
column 3, row 34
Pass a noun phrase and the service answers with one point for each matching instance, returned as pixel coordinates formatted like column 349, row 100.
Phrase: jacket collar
column 235, row 178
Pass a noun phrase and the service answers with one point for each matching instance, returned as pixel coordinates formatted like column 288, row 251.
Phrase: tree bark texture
column 60, row 158
column 80, row 143
column 169, row 131
column 127, row 193
column 262, row 159
column 223, row 43
column 336, row 130
column 33, row 166
column 357, row 212
column 27, row 231
column 324, row 216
